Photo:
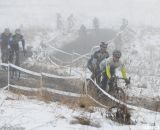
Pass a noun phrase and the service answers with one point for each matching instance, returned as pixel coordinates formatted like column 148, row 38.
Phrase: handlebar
column 128, row 80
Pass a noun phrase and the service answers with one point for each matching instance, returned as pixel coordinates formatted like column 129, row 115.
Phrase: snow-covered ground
column 20, row 112
column 141, row 55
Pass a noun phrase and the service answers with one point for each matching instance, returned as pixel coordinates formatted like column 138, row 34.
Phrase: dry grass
column 44, row 95
column 85, row 121
column 81, row 120
column 84, row 102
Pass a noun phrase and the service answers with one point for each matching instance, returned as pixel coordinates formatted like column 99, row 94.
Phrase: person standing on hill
column 5, row 39
column 15, row 49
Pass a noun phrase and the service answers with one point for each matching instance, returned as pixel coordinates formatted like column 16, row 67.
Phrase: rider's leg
column 110, row 82
column 104, row 82
column 98, row 76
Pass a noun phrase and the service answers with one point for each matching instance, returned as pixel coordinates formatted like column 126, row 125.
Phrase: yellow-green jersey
column 107, row 66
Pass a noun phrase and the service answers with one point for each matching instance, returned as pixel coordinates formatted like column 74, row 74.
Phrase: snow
column 18, row 111
column 32, row 114
column 142, row 54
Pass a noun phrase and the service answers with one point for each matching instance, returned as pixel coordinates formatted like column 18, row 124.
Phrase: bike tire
column 119, row 94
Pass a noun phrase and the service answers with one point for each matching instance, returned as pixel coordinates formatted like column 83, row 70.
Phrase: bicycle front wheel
column 119, row 94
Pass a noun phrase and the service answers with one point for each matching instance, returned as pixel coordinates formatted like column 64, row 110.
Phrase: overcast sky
column 110, row 12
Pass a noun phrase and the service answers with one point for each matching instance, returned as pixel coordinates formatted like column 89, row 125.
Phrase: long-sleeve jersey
column 105, row 66
column 98, row 56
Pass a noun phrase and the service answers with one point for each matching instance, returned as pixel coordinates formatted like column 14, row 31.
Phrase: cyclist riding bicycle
column 95, row 60
column 108, row 68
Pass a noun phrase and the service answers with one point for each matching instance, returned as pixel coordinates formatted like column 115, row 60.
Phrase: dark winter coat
column 15, row 42
column 5, row 39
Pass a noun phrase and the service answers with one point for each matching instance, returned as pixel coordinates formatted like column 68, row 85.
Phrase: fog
column 110, row 12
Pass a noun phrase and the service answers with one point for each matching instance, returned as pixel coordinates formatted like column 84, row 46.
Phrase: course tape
column 70, row 94
column 84, row 56
column 74, row 53
column 97, row 101
column 4, row 64
column 60, row 50
column 122, row 103
column 60, row 77
column 41, row 74
column 52, row 62
column 71, row 54
column 80, row 57
column 25, row 70
column 74, row 60
column 63, row 92
column 114, row 99
column 58, row 66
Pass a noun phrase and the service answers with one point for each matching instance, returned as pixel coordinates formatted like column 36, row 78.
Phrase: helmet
column 103, row 45
column 117, row 54
column 18, row 31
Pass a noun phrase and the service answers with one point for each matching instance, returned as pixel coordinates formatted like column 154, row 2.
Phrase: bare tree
column 96, row 24
column 71, row 22
column 82, row 31
column 59, row 23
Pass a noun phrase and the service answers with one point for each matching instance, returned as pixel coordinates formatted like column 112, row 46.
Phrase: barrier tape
column 120, row 102
column 60, row 50
column 48, row 89
column 25, row 70
column 60, row 77
column 85, row 55
column 114, row 99
column 40, row 74
column 82, row 56
column 24, row 88
column 4, row 64
column 63, row 92
column 52, row 62
column 97, row 101
column 59, row 66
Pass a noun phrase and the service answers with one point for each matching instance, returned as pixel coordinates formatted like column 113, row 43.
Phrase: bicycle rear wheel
column 119, row 94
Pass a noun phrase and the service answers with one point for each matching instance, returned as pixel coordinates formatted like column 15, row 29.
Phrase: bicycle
column 116, row 91
column 120, row 114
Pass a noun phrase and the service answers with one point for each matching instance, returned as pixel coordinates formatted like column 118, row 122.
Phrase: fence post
column 71, row 62
column 8, row 76
column 85, row 81
column 41, row 78
column 41, row 85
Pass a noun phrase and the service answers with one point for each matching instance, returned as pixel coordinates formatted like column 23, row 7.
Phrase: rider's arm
column 108, row 73
column 123, row 71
